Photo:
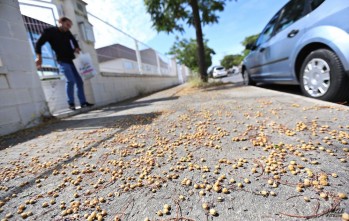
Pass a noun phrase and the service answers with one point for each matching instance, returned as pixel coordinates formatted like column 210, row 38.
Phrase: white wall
column 22, row 101
column 110, row 87
column 107, row 88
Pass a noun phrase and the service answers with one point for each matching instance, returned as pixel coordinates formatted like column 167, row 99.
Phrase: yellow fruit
column 216, row 188
column 213, row 212
column 220, row 199
column 342, row 195
column 24, row 215
column 205, row 206
column 323, row 195
column 306, row 199
column 307, row 182
column 323, row 183
column 264, row 193
column 345, row 217
column 166, row 211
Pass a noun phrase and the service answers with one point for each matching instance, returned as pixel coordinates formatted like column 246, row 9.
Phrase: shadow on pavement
column 120, row 122
column 225, row 86
column 92, row 119
column 292, row 89
column 134, row 104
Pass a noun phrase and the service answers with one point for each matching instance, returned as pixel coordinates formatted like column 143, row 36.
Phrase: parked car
column 219, row 71
column 307, row 43
column 233, row 70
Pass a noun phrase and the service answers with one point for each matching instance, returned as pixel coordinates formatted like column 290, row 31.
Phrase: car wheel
column 323, row 76
column 247, row 79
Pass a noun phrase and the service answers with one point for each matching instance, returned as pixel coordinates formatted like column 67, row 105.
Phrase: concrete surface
column 128, row 160
column 22, row 101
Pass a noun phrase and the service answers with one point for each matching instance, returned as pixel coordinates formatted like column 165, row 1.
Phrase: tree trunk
column 199, row 40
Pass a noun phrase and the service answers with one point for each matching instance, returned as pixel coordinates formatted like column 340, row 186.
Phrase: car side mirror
column 250, row 46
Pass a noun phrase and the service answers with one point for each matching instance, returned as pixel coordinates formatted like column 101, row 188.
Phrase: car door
column 287, row 32
column 255, row 61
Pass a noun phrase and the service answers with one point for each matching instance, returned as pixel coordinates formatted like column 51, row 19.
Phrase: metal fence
column 121, row 53
column 34, row 28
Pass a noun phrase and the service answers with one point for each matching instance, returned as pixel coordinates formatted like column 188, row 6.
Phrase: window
column 291, row 13
column 128, row 65
column 80, row 7
column 315, row 3
column 268, row 31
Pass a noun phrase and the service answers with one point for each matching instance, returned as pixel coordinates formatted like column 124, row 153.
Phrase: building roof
column 115, row 51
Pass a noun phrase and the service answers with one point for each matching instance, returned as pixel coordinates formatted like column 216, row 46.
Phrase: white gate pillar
column 22, row 101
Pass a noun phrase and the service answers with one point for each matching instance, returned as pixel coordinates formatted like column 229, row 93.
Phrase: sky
column 131, row 22
column 239, row 19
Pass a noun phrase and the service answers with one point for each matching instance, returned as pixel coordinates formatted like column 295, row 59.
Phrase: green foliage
column 186, row 53
column 248, row 40
column 171, row 15
column 231, row 60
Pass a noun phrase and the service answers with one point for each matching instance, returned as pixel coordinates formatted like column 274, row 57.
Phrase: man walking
column 64, row 44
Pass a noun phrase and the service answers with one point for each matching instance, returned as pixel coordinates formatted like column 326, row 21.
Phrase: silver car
column 307, row 43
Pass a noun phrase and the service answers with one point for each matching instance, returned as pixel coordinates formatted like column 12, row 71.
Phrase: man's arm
column 75, row 43
column 41, row 41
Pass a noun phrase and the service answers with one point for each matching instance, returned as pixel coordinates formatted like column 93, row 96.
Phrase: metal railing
column 120, row 53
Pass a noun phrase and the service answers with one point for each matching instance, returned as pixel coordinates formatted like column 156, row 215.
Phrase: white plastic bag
column 84, row 66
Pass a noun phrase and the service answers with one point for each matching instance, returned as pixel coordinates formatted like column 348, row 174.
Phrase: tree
column 186, row 53
column 248, row 40
column 169, row 16
column 231, row 60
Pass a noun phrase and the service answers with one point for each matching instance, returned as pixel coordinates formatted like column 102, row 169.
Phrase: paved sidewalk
column 230, row 152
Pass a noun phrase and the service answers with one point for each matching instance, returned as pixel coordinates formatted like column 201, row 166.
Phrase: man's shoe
column 72, row 107
column 86, row 104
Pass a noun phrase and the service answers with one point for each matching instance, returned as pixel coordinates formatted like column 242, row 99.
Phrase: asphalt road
column 291, row 89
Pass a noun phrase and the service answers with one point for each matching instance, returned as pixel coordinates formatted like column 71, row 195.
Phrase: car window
column 220, row 68
column 315, row 3
column 292, row 12
column 268, row 31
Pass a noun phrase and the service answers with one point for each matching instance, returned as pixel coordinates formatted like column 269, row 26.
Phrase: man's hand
column 38, row 61
column 77, row 50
